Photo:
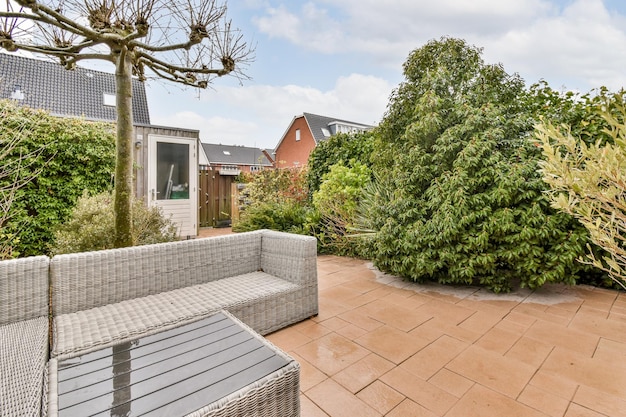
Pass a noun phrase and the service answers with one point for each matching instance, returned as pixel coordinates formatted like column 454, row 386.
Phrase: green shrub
column 68, row 155
column 336, row 202
column 277, row 200
column 91, row 226
column 277, row 185
column 463, row 201
column 287, row 216
column 345, row 149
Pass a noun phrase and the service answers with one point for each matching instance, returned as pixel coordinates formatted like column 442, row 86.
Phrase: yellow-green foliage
column 340, row 191
column 588, row 181
column 91, row 225
column 336, row 201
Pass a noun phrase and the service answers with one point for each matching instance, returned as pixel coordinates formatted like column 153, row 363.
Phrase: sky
column 343, row 58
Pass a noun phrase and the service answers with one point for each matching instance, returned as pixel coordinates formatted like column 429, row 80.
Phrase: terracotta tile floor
column 381, row 346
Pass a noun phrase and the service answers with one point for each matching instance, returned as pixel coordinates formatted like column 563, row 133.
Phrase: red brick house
column 305, row 132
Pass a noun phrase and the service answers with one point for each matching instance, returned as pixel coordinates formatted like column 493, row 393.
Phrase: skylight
column 108, row 99
column 226, row 152
column 17, row 93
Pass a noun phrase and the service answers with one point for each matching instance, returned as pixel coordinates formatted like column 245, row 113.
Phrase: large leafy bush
column 69, row 156
column 463, row 201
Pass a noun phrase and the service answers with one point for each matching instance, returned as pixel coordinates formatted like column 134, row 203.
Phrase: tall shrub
column 70, row 156
column 464, row 201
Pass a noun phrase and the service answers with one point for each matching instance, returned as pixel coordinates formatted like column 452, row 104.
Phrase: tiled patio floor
column 384, row 347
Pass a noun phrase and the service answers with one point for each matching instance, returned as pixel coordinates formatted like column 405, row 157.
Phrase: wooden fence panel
column 214, row 197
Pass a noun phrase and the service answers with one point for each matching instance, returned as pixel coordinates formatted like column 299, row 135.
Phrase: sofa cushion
column 93, row 329
column 23, row 358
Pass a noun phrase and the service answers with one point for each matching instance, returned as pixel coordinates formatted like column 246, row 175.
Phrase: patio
column 381, row 346
column 384, row 347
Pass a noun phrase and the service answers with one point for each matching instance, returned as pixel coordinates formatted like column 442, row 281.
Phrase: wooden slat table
column 180, row 371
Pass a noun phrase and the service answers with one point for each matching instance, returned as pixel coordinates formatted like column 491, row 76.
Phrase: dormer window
column 17, row 93
column 108, row 99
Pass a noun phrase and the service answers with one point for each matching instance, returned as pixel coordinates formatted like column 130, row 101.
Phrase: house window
column 256, row 168
column 108, row 99
column 17, row 93
column 297, row 135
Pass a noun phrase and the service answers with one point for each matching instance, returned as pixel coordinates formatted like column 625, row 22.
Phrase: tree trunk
column 124, row 151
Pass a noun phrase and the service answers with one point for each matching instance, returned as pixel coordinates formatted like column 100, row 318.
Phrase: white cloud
column 392, row 28
column 583, row 48
column 258, row 115
column 580, row 43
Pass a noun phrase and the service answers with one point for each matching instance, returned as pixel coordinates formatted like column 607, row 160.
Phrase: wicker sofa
column 23, row 336
column 266, row 279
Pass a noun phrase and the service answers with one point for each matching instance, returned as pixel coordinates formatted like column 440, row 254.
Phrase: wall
column 291, row 151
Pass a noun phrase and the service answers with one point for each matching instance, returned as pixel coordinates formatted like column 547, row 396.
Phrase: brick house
column 305, row 132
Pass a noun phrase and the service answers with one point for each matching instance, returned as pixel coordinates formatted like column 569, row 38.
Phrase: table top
column 171, row 373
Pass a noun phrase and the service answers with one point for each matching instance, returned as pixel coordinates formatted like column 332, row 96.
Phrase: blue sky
column 343, row 58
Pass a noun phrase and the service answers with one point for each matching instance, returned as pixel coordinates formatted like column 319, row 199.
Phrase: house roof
column 234, row 155
column 321, row 125
column 80, row 92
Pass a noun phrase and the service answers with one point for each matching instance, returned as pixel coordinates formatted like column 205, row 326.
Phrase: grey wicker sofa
column 266, row 279
column 23, row 336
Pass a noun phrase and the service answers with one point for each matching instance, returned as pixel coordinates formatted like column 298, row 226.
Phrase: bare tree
column 184, row 41
column 15, row 172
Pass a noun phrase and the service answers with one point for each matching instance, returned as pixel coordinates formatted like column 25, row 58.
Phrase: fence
column 214, row 198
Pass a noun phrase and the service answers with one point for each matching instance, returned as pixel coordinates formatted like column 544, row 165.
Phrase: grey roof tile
column 47, row 85
column 234, row 155
column 318, row 124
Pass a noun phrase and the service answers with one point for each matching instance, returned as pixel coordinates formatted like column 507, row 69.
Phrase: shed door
column 172, row 180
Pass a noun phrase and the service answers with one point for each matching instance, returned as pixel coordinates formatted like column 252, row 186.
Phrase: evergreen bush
column 463, row 202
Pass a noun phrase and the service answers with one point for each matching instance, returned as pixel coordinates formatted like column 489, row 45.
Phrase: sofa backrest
column 24, row 289
column 81, row 281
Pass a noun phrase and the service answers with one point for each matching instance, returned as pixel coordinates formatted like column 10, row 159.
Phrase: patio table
column 213, row 367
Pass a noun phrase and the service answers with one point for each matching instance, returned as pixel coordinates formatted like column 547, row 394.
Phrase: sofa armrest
column 290, row 257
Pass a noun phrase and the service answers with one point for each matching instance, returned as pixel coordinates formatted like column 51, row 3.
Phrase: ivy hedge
column 68, row 156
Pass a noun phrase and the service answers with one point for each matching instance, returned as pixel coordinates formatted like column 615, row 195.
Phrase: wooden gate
column 214, row 197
